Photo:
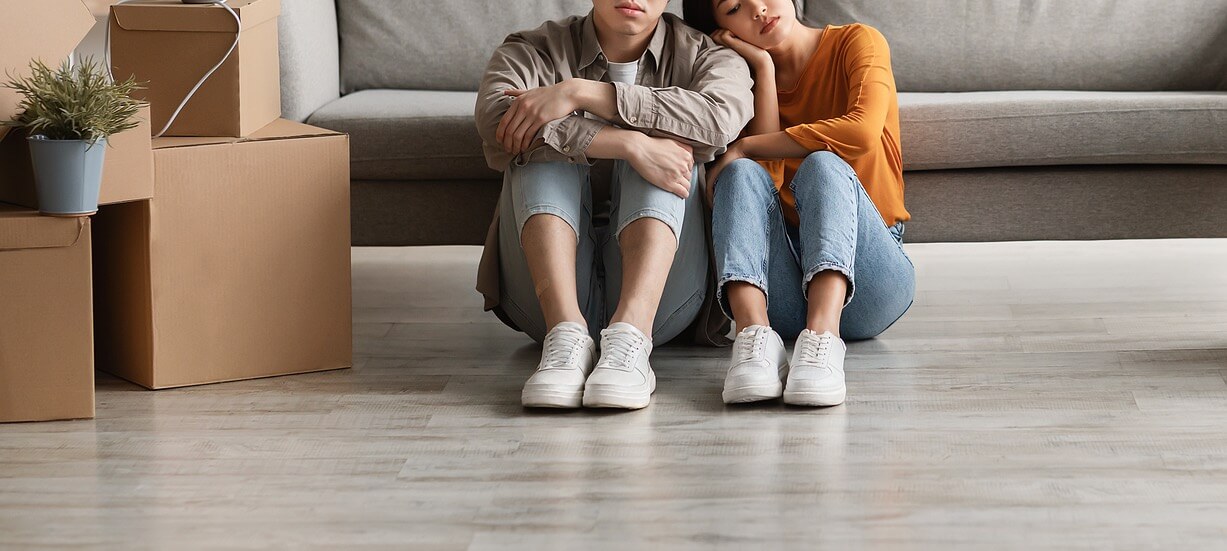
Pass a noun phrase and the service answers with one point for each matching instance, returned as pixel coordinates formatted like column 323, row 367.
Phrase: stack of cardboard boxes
column 222, row 253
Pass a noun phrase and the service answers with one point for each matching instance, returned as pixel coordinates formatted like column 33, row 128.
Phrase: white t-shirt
column 623, row 72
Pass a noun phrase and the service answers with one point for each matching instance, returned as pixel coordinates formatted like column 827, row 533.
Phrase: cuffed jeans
column 840, row 230
column 564, row 190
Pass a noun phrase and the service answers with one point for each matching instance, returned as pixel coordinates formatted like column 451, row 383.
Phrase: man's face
column 628, row 17
column 763, row 23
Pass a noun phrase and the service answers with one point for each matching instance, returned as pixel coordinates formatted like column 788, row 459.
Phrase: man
column 634, row 85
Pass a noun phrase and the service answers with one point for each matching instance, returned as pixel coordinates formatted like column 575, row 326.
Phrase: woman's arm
column 870, row 96
column 766, row 104
column 871, row 93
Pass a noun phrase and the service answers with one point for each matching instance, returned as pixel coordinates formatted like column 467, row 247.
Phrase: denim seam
column 729, row 278
column 651, row 212
column 824, row 266
column 549, row 209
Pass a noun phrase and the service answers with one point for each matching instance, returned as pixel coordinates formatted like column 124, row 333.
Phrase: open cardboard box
column 171, row 45
column 36, row 29
column 46, row 321
column 239, row 267
column 49, row 30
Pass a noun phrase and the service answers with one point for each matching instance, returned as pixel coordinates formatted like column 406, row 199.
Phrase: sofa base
column 996, row 204
column 423, row 212
column 1067, row 203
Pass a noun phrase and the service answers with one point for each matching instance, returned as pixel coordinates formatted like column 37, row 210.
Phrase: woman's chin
column 768, row 42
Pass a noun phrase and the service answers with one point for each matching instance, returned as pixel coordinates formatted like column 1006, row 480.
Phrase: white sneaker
column 817, row 371
column 758, row 366
column 622, row 377
column 566, row 360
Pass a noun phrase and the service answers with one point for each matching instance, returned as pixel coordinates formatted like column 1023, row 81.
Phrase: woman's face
column 763, row 23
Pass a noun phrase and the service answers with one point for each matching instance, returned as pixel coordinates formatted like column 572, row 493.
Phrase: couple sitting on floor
column 805, row 186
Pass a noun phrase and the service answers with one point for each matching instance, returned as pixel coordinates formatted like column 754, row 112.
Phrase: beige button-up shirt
column 688, row 88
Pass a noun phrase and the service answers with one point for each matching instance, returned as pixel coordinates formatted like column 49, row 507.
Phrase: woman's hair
column 700, row 15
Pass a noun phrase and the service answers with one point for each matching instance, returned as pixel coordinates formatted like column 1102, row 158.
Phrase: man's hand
column 531, row 110
column 757, row 58
column 731, row 154
column 666, row 163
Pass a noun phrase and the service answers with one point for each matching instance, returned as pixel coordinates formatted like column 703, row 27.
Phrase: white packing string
column 238, row 29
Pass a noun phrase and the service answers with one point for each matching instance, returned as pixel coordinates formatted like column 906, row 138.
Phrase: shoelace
column 816, row 351
column 751, row 348
column 561, row 347
column 618, row 347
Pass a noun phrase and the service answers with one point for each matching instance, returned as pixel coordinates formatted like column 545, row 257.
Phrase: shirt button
column 566, row 148
column 632, row 119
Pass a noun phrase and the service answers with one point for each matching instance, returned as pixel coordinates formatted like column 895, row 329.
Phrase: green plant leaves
column 73, row 103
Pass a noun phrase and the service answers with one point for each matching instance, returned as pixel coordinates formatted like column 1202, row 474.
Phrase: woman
column 808, row 239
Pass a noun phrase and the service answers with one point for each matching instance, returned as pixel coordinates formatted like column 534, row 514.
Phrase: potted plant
column 67, row 114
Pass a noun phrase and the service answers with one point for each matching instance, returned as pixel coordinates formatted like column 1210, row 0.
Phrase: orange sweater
column 845, row 102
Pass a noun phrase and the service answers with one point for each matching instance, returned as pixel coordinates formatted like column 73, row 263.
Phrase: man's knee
column 551, row 189
column 639, row 199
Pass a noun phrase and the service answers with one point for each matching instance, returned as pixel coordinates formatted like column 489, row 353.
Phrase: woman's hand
column 755, row 56
column 731, row 154
column 530, row 111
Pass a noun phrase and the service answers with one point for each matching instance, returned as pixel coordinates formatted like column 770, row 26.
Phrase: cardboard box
column 239, row 267
column 171, row 45
column 127, row 173
column 36, row 29
column 46, row 317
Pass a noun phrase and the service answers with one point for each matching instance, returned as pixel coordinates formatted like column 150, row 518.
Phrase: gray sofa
column 1021, row 119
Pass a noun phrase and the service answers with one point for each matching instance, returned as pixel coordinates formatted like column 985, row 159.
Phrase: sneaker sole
column 752, row 393
column 606, row 396
column 551, row 398
column 813, row 398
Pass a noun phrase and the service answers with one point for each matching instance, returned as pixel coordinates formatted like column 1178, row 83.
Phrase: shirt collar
column 590, row 47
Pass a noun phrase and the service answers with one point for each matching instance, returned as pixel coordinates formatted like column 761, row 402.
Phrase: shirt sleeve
column 516, row 64
column 869, row 99
column 707, row 115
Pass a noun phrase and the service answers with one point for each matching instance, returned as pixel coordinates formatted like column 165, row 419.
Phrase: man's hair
column 700, row 15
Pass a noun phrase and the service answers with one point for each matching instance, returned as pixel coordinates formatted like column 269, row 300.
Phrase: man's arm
column 664, row 162
column 515, row 65
column 706, row 115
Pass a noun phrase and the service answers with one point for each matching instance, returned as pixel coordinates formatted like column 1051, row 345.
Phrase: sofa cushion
column 435, row 45
column 408, row 134
column 967, row 45
column 418, row 134
column 1031, row 128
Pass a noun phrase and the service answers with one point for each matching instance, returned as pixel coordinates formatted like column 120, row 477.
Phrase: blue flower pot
column 67, row 175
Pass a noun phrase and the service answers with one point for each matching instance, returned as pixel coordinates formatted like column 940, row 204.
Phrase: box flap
column 280, row 129
column 37, row 29
column 173, row 15
column 27, row 229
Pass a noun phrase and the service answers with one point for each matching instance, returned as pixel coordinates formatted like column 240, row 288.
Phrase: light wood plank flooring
column 1050, row 395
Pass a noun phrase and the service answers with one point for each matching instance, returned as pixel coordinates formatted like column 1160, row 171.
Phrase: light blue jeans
column 565, row 190
column 840, row 230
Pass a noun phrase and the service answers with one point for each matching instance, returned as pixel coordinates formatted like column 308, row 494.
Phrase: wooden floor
column 1063, row 395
